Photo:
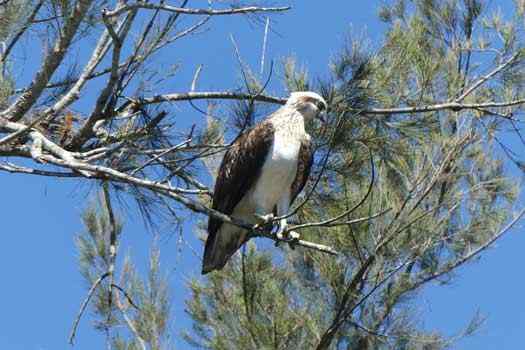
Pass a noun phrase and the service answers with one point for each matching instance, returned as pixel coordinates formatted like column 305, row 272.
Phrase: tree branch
column 84, row 305
column 51, row 62
column 222, row 95
column 473, row 253
column 112, row 244
column 187, row 11
column 454, row 106
column 483, row 79
column 18, row 35
column 101, row 172
column 227, row 95
column 128, row 321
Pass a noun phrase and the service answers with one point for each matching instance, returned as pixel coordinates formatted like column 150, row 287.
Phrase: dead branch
column 19, row 33
column 487, row 77
column 199, row 12
column 13, row 168
column 227, row 95
column 211, row 95
column 128, row 321
column 112, row 243
column 50, row 63
column 473, row 253
column 101, row 172
column 453, row 106
column 84, row 305
column 334, row 221
column 126, row 295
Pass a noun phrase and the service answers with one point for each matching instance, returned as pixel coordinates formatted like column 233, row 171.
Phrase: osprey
column 260, row 176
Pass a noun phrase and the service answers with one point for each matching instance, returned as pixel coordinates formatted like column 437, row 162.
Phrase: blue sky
column 42, row 289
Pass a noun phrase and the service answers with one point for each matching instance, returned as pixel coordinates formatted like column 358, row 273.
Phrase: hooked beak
column 322, row 107
column 322, row 117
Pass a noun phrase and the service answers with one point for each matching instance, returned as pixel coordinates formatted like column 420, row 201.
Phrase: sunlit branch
column 200, row 12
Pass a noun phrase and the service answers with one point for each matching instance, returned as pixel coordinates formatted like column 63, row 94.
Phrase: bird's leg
column 281, row 232
column 282, row 209
column 263, row 218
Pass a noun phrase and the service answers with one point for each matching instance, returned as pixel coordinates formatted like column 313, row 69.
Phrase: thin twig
column 126, row 318
column 476, row 251
column 196, row 77
column 128, row 297
column 263, row 54
column 13, row 168
column 454, row 106
column 319, row 176
column 112, row 243
column 50, row 63
column 332, row 222
column 19, row 34
column 159, row 156
column 84, row 305
column 483, row 79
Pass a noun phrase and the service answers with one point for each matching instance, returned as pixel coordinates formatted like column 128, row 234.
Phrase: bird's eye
column 320, row 106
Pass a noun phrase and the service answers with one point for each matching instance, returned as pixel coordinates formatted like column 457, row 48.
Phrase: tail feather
column 221, row 247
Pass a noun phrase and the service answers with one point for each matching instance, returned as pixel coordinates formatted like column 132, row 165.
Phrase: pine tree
column 131, row 311
column 412, row 174
column 417, row 192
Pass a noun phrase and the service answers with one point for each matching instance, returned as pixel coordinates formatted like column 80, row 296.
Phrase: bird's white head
column 308, row 103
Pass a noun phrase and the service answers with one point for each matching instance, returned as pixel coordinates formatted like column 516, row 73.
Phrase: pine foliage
column 434, row 185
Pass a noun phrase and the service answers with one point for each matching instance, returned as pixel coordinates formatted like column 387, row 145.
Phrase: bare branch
column 112, row 243
column 128, row 321
column 454, row 106
column 483, row 79
column 97, row 172
column 84, row 305
column 126, row 295
column 51, row 62
column 21, row 31
column 227, row 95
column 221, row 95
column 265, row 40
column 297, row 242
column 333, row 221
column 13, row 168
column 117, row 38
column 473, row 253
column 200, row 12
column 72, row 95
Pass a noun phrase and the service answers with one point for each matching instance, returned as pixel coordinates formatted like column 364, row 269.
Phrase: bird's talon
column 265, row 219
column 294, row 236
column 293, row 239
column 290, row 237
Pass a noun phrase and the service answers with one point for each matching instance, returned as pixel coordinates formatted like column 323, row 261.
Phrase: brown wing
column 240, row 168
column 304, row 165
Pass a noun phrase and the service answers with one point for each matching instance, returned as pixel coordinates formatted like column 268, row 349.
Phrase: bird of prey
column 260, row 176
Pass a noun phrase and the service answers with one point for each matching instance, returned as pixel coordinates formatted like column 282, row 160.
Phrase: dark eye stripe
column 316, row 102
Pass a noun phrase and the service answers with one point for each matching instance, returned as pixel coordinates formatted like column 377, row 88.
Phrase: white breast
column 278, row 172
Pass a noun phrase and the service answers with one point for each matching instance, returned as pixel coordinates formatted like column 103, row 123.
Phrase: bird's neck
column 290, row 123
